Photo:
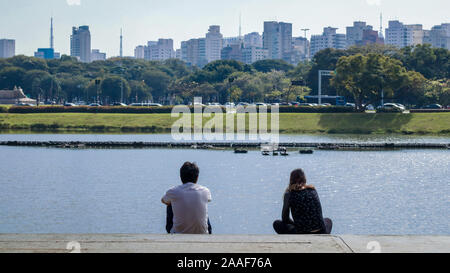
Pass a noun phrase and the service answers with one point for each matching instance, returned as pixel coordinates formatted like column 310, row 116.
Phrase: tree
column 366, row 77
column 437, row 92
column 11, row 77
column 140, row 91
column 323, row 60
column 159, row 82
column 74, row 88
column 115, row 88
column 413, row 91
column 270, row 65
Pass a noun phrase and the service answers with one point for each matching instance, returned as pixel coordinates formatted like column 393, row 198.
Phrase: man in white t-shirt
column 187, row 204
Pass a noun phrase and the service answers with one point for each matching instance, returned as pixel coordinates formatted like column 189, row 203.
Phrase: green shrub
column 160, row 110
column 3, row 109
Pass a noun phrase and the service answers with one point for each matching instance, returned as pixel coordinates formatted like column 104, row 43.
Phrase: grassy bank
column 430, row 123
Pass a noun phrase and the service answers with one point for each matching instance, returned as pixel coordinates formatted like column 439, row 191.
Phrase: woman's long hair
column 298, row 181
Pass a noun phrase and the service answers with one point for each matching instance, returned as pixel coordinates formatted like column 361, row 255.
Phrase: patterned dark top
column 306, row 210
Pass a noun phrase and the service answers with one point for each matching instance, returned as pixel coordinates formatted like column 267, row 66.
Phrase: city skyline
column 139, row 28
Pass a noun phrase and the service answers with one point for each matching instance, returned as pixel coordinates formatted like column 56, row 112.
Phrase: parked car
column 433, row 106
column 95, row 105
column 370, row 107
column 25, row 104
column 350, row 105
column 119, row 104
column 305, row 105
column 68, row 104
column 392, row 107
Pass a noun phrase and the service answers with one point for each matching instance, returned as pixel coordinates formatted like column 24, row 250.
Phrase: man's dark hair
column 189, row 173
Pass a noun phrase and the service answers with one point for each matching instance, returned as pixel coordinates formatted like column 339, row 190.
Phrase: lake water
column 46, row 190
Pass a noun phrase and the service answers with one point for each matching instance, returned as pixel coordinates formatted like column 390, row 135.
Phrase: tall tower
column 121, row 44
column 52, row 46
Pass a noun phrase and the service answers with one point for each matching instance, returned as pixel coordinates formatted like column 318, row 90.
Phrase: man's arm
column 166, row 200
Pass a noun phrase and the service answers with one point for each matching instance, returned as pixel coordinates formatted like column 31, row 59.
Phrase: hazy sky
column 28, row 21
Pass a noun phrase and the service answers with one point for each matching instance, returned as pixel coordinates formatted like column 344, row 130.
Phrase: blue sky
column 28, row 21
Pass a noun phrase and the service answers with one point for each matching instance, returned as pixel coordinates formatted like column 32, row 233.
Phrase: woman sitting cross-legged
column 304, row 203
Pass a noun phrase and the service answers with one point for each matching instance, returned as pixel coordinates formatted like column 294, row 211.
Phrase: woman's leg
column 283, row 228
column 328, row 225
column 209, row 227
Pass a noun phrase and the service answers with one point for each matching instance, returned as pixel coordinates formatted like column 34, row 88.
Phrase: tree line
column 413, row 75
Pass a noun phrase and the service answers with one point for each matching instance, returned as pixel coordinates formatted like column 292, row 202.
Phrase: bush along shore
column 290, row 123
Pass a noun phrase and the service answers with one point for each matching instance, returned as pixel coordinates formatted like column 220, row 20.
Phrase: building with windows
column 139, row 52
column 277, row 39
column 355, row 33
column 253, row 39
column 232, row 52
column 46, row 53
column 401, row 35
column 329, row 39
column 252, row 54
column 193, row 52
column 160, row 50
column 7, row 48
column 96, row 55
column 439, row 36
column 80, row 43
column 213, row 44
column 300, row 50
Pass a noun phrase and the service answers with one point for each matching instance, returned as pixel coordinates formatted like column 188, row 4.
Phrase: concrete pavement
column 128, row 243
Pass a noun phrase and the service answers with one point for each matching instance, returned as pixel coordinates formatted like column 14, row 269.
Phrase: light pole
column 306, row 41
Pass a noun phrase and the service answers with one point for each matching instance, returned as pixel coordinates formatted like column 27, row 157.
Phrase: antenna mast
column 121, row 44
column 51, row 33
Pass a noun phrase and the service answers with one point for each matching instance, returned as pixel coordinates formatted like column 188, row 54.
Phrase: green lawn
column 429, row 123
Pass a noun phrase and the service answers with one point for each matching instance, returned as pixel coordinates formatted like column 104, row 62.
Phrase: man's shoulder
column 202, row 188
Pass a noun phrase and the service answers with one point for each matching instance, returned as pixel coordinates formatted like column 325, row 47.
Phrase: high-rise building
column 45, row 53
column 371, row 37
column 329, row 39
column 401, row 35
column 7, row 48
column 355, row 33
column 160, row 50
column 439, row 36
column 214, row 40
column 253, row 39
column 277, row 39
column 228, row 41
column 193, row 52
column 96, row 55
column 300, row 50
column 80, row 43
column 253, row 54
column 139, row 52
column 232, row 52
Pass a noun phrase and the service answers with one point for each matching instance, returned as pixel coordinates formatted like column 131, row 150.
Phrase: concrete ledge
column 123, row 243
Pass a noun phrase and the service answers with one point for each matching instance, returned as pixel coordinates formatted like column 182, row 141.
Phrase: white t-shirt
column 190, row 208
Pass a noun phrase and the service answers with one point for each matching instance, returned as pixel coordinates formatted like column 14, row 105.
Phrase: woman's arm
column 286, row 217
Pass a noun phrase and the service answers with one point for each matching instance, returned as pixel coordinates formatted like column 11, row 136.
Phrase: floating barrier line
column 222, row 145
